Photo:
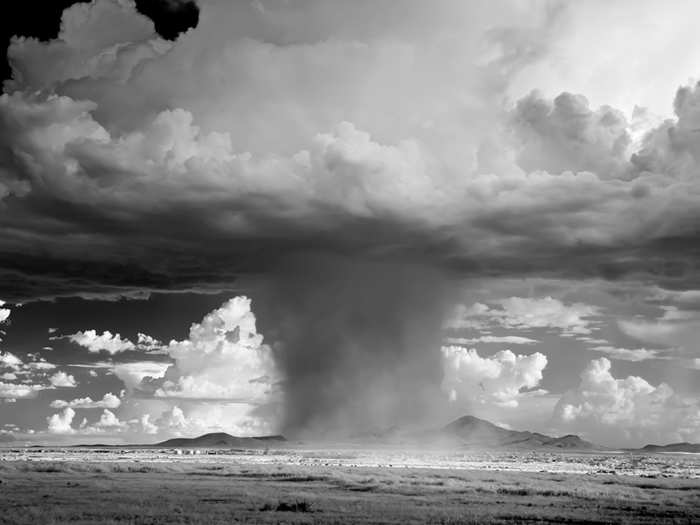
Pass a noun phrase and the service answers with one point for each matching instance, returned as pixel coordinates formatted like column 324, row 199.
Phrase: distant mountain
column 7, row 438
column 673, row 447
column 221, row 440
column 470, row 430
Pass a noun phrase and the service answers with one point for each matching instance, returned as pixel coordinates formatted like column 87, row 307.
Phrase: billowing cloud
column 630, row 410
column 109, row 400
column 499, row 379
column 224, row 358
column 106, row 123
column 567, row 135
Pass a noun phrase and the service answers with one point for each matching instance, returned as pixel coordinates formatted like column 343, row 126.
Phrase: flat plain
column 107, row 487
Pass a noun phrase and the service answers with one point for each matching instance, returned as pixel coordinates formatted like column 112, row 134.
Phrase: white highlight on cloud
column 499, row 379
column 621, row 411
column 62, row 380
column 109, row 400
column 94, row 342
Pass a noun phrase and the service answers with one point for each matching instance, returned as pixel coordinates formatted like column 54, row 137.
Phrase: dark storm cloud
column 131, row 163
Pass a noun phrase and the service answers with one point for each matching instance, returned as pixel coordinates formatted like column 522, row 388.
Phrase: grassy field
column 154, row 493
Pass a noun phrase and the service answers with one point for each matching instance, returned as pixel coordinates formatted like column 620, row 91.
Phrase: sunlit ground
column 345, row 486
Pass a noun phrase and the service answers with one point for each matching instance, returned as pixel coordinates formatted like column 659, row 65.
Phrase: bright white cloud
column 10, row 360
column 61, row 423
column 623, row 411
column 94, row 342
column 109, row 400
column 224, row 358
column 499, row 379
column 4, row 312
column 63, row 380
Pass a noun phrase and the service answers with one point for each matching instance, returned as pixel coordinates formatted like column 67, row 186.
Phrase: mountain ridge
column 470, row 430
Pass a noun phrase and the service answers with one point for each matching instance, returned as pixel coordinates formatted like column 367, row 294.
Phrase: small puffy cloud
column 62, row 380
column 108, row 421
column 61, row 423
column 146, row 426
column 4, row 312
column 524, row 313
column 109, row 400
column 619, row 411
column 94, row 342
column 148, row 343
column 499, row 379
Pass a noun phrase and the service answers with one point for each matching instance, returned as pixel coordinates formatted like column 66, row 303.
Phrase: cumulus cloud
column 628, row 410
column 61, row 423
column 224, row 358
column 567, row 135
column 62, row 380
column 4, row 312
column 94, row 342
column 500, row 379
column 109, row 400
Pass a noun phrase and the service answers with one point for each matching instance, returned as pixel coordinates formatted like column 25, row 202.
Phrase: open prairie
column 151, row 487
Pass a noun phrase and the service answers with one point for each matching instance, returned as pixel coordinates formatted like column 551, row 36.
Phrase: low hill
column 470, row 430
column 673, row 447
column 221, row 440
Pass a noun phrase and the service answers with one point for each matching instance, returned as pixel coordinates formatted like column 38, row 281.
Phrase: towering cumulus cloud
column 340, row 162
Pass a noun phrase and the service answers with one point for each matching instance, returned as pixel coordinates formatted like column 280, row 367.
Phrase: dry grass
column 154, row 493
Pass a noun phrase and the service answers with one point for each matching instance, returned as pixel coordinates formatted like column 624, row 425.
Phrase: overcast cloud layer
column 133, row 163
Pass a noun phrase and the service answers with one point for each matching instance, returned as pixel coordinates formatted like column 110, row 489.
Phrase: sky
column 326, row 219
